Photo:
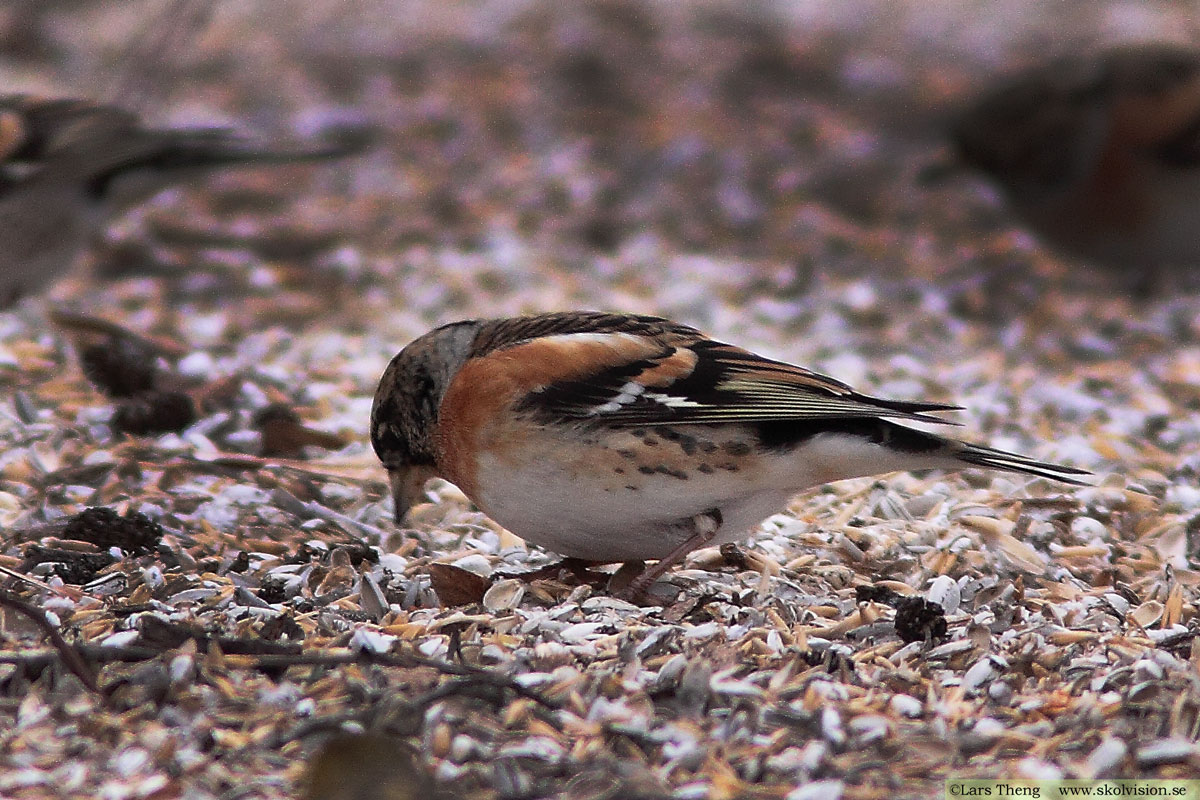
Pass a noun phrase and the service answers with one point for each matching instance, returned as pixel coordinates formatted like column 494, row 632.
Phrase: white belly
column 605, row 507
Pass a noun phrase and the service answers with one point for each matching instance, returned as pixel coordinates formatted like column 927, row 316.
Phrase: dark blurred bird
column 613, row 437
column 369, row 766
column 67, row 167
column 1100, row 155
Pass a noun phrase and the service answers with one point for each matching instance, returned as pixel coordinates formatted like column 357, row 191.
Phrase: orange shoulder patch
column 476, row 413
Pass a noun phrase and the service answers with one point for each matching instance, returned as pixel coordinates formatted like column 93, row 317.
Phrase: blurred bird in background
column 68, row 167
column 1099, row 155
column 368, row 766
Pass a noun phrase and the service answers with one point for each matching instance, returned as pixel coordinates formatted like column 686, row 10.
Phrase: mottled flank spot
column 650, row 441
column 736, row 448
column 626, row 453
column 619, row 470
column 646, row 470
column 639, row 432
column 686, row 443
column 729, row 466
column 674, row 473
column 631, row 488
column 705, row 468
column 707, row 447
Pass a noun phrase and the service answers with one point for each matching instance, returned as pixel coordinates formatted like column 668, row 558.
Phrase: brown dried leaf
column 456, row 586
column 1173, row 609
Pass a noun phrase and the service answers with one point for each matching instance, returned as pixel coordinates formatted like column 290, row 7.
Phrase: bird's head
column 404, row 415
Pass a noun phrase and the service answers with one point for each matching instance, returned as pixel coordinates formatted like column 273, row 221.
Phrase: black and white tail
column 990, row 458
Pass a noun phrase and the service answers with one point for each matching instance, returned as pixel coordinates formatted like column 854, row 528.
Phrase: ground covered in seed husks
column 204, row 591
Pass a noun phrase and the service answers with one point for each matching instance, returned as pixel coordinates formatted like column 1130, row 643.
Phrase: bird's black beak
column 408, row 486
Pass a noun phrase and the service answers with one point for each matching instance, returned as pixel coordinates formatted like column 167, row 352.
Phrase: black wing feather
column 502, row 333
column 727, row 385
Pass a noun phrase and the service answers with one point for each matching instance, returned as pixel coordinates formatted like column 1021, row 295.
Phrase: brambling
column 68, row 166
column 1100, row 155
column 613, row 437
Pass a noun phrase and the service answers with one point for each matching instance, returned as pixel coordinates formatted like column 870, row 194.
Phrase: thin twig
column 266, row 661
column 69, row 655
column 62, row 591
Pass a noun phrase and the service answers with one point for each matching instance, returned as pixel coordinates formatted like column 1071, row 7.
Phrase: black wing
column 679, row 377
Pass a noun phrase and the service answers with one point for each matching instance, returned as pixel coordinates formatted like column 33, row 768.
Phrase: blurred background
column 785, row 141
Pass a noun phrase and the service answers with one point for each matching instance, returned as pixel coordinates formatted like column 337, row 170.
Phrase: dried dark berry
column 134, row 533
column 918, row 620
column 275, row 628
column 241, row 563
column 878, row 594
column 272, row 590
column 121, row 367
column 154, row 412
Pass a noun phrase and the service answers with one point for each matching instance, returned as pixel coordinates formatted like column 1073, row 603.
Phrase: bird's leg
column 703, row 528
